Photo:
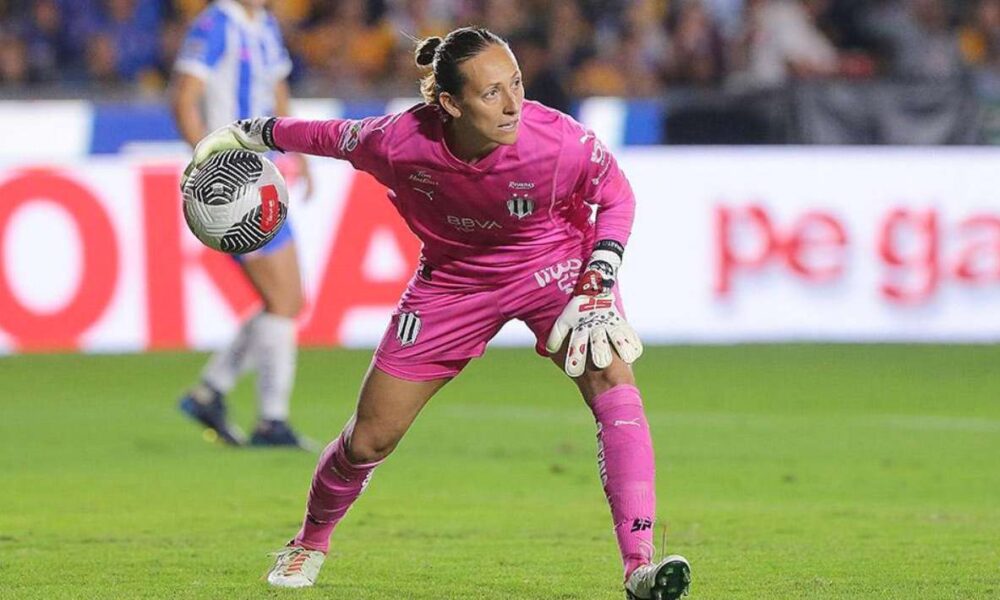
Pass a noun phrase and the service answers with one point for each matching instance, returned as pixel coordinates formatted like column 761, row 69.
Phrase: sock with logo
column 226, row 365
column 628, row 472
column 336, row 484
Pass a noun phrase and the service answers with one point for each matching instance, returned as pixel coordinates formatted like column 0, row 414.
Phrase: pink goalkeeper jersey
column 501, row 218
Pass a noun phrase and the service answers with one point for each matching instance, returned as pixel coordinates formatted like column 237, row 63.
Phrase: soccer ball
column 236, row 201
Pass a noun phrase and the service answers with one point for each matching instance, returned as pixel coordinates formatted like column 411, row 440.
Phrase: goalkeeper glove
column 591, row 319
column 248, row 134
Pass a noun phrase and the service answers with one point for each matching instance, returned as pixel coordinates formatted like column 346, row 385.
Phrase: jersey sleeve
column 203, row 47
column 600, row 182
column 365, row 143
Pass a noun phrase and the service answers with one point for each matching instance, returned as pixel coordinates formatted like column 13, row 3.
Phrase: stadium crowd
column 568, row 48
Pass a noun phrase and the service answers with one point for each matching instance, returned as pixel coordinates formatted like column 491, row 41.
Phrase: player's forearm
column 185, row 101
column 191, row 129
column 188, row 117
column 320, row 138
column 282, row 99
column 615, row 211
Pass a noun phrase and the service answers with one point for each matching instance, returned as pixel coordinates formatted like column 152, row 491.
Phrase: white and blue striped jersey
column 239, row 59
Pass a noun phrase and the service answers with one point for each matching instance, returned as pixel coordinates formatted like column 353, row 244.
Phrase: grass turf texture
column 784, row 472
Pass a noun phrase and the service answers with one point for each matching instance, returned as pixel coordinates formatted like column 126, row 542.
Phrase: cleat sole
column 673, row 580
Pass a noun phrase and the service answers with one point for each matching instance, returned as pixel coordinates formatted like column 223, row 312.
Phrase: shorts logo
column 520, row 206
column 407, row 328
column 521, row 185
column 351, row 137
column 564, row 274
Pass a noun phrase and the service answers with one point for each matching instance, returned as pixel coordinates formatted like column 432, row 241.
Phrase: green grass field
column 784, row 472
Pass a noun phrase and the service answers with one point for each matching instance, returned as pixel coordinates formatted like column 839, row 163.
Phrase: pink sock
column 628, row 471
column 335, row 486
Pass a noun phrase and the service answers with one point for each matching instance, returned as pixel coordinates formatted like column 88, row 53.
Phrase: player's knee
column 366, row 450
column 288, row 303
column 595, row 382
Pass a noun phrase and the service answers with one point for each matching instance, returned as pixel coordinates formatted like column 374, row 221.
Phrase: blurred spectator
column 418, row 19
column 570, row 47
column 290, row 12
column 980, row 37
column 188, row 9
column 43, row 41
column 780, row 41
column 172, row 33
column 601, row 74
column 81, row 20
column 980, row 43
column 505, row 17
column 606, row 20
column 102, row 60
column 569, row 35
column 348, row 47
column 843, row 23
column 542, row 80
column 129, row 25
column 403, row 77
column 644, row 45
column 13, row 60
column 726, row 14
column 697, row 49
column 917, row 38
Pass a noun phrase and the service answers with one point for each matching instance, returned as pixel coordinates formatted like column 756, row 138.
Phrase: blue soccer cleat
column 277, row 434
column 212, row 415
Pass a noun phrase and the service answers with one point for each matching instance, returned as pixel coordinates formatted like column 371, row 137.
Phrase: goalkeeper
column 501, row 192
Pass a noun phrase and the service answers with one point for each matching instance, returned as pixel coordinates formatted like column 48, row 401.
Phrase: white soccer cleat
column 668, row 579
column 295, row 567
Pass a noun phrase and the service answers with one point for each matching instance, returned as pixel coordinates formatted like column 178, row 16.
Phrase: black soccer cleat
column 277, row 434
column 213, row 416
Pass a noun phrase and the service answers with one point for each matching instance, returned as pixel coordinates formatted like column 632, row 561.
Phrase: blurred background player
column 525, row 177
column 234, row 64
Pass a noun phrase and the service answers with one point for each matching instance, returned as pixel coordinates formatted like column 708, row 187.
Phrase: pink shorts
column 435, row 332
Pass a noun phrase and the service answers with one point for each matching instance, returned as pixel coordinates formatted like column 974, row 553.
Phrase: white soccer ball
column 236, row 201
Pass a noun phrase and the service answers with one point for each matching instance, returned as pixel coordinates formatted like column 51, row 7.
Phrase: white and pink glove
column 593, row 320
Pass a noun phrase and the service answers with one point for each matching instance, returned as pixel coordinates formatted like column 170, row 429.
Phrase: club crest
column 520, row 206
column 407, row 328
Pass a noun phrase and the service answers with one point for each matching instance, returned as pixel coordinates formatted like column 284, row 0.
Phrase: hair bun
column 425, row 51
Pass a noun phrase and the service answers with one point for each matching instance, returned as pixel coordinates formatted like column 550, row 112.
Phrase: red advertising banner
column 729, row 245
